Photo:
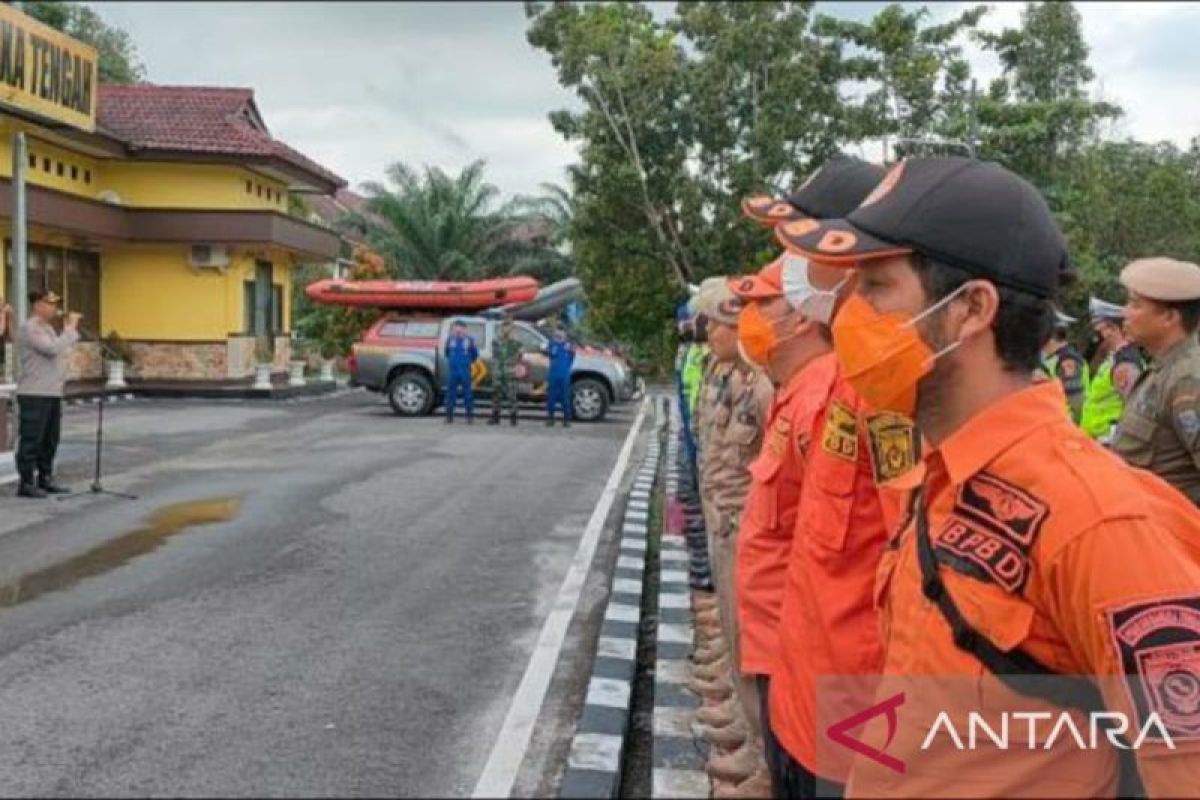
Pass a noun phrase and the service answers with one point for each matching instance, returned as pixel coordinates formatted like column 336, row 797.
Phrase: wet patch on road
column 163, row 524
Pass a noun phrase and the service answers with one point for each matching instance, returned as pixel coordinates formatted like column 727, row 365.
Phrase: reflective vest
column 1102, row 403
column 693, row 373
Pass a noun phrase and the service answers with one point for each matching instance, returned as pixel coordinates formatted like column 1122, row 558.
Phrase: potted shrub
column 297, row 364
column 264, row 361
column 117, row 353
column 329, row 348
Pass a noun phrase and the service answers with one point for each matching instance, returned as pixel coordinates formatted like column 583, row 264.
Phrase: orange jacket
column 1050, row 544
column 765, row 532
column 829, row 624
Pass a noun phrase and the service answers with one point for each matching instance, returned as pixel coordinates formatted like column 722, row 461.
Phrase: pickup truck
column 403, row 357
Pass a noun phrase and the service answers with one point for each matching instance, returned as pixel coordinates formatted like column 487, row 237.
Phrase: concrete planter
column 262, row 376
column 116, row 375
column 296, row 373
column 327, row 370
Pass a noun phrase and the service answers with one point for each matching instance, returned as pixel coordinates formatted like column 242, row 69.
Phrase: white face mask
column 815, row 304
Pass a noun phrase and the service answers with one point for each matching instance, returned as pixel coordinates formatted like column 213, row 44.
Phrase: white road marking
column 512, row 742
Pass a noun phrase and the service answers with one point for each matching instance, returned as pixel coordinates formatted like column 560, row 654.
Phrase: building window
column 249, row 187
column 74, row 172
column 72, row 274
column 273, row 312
column 60, row 169
column 32, row 161
column 45, row 164
column 87, row 176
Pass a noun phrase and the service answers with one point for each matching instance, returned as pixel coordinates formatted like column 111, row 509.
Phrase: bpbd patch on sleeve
column 840, row 437
column 1158, row 646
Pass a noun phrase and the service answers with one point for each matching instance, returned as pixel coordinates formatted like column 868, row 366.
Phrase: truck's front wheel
column 589, row 400
column 411, row 394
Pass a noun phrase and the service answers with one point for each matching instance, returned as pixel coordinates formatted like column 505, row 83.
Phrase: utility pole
column 20, row 251
column 20, row 255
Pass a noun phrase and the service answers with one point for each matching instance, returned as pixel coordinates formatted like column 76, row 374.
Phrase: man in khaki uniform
column 734, row 416
column 1160, row 429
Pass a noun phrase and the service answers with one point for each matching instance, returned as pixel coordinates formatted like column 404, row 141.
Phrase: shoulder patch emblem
column 841, row 433
column 894, row 449
column 1188, row 422
column 1158, row 645
column 778, row 437
column 1002, row 508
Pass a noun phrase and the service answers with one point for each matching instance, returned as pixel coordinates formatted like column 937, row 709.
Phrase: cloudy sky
column 360, row 85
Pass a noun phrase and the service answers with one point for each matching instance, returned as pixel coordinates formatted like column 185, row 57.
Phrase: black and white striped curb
column 594, row 763
column 679, row 754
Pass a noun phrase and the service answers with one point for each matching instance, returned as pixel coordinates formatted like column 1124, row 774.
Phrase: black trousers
column 790, row 780
column 38, row 432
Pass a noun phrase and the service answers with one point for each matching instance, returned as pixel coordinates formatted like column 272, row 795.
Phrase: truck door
column 481, row 374
column 534, row 359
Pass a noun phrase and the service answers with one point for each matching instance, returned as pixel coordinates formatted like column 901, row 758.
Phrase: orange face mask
column 757, row 338
column 882, row 356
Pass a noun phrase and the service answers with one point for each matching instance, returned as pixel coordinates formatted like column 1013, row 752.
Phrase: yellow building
column 168, row 224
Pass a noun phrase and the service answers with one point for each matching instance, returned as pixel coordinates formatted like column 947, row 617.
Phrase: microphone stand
column 97, row 487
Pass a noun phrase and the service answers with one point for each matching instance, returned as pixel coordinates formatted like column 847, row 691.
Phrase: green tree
column 333, row 329
column 629, row 73
column 541, row 245
column 1037, row 117
column 438, row 226
column 1128, row 200
column 915, row 75
column 117, row 54
column 761, row 99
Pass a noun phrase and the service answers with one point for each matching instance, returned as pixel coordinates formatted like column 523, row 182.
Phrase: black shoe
column 513, row 422
column 494, row 421
column 449, row 420
column 31, row 490
column 50, row 487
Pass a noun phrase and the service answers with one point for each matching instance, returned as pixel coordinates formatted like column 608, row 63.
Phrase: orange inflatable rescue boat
column 473, row 295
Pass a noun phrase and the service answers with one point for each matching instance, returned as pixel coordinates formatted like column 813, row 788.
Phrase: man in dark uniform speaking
column 42, row 364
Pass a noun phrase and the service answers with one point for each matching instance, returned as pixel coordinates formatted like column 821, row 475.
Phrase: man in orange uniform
column 829, row 625
column 1028, row 551
column 784, row 330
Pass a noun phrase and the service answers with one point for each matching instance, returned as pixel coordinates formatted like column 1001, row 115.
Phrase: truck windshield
column 529, row 339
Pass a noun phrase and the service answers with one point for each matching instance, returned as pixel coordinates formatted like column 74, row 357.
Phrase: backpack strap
column 1015, row 668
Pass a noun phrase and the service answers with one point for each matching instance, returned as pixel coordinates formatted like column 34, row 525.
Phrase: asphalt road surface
column 305, row 599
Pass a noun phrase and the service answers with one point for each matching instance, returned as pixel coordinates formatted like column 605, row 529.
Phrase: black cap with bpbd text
column 833, row 190
column 974, row 215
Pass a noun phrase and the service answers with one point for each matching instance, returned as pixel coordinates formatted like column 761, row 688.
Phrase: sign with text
column 46, row 73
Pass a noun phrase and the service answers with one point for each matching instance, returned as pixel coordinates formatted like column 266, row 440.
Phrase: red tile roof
column 331, row 209
column 195, row 119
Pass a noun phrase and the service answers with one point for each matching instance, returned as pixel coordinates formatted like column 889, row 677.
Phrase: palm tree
column 438, row 226
column 540, row 246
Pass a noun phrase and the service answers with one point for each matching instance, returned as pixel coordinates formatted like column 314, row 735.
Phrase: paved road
column 306, row 599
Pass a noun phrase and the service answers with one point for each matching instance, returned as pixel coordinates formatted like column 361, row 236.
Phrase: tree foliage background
column 682, row 117
column 117, row 54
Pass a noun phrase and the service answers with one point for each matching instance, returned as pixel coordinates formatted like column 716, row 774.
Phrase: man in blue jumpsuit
column 562, row 356
column 461, row 353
